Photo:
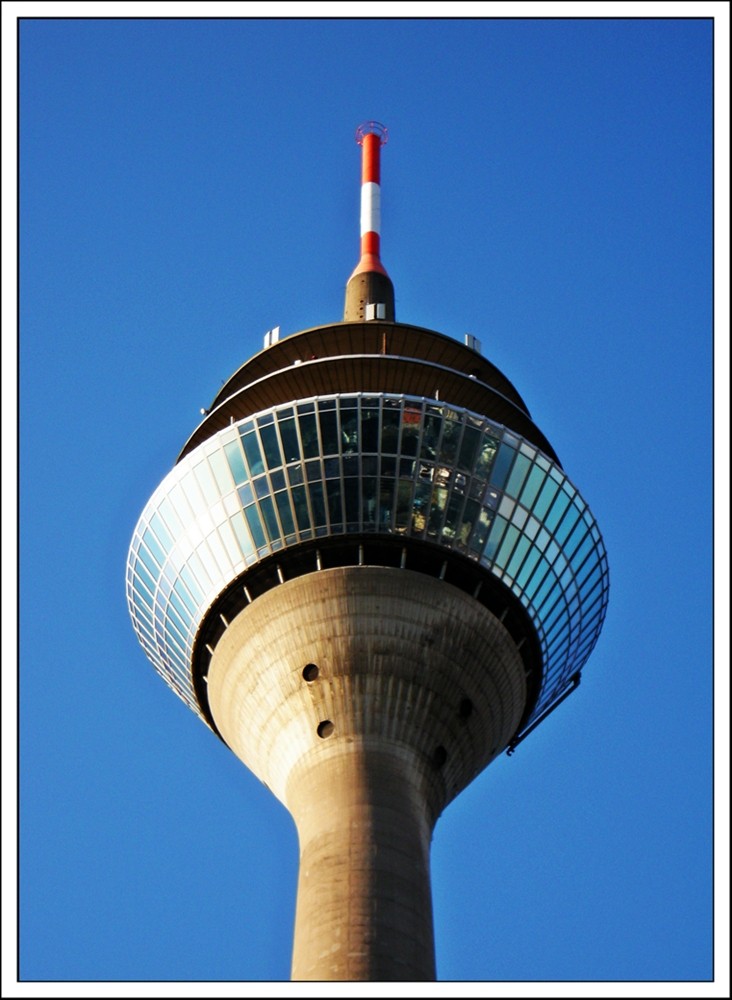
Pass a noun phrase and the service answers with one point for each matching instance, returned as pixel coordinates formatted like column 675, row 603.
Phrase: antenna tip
column 372, row 128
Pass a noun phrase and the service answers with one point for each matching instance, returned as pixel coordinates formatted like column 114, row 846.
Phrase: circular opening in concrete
column 310, row 672
column 439, row 757
column 465, row 708
column 325, row 728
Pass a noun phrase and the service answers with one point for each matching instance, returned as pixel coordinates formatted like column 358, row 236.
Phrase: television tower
column 369, row 575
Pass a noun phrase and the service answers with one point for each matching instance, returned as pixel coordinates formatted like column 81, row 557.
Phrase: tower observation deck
column 369, row 575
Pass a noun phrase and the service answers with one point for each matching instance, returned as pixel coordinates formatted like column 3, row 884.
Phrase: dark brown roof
column 346, row 373
column 396, row 339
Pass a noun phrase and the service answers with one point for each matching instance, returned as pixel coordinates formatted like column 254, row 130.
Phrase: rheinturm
column 369, row 575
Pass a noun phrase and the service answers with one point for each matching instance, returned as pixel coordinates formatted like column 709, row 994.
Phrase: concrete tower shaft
column 366, row 698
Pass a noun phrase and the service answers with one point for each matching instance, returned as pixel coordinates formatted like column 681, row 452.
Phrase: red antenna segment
column 371, row 136
column 369, row 292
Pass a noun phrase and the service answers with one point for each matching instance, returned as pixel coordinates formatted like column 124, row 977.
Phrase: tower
column 369, row 575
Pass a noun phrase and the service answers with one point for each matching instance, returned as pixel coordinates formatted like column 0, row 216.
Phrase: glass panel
column 570, row 520
column 317, row 502
column 431, row 434
column 452, row 517
column 504, row 552
column 161, row 532
column 494, row 539
column 486, row 456
column 502, row 465
column 351, row 496
column 191, row 583
column 518, row 473
column 300, row 504
column 329, row 432
column 261, row 486
column 349, row 430
column 391, row 419
column 255, row 525
column 558, row 508
column 386, row 503
column 236, row 462
column 183, row 594
column 528, row 567
column 290, row 443
column 312, row 470
column 253, row 454
column 277, row 479
column 283, row 509
column 270, row 521
column 333, row 489
column 221, row 473
column 271, row 446
column 294, row 474
column 518, row 554
column 410, row 431
column 205, row 481
column 470, row 516
column 449, row 444
column 152, row 544
column 368, row 500
column 437, row 510
column 532, row 485
column 422, row 494
column 403, row 506
column 170, row 517
column 480, row 532
column 144, row 575
column 547, row 494
column 242, row 536
column 369, row 431
column 468, row 448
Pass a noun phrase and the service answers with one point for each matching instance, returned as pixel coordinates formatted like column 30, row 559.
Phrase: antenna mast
column 369, row 292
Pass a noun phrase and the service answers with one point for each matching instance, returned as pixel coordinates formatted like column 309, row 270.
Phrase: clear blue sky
column 185, row 185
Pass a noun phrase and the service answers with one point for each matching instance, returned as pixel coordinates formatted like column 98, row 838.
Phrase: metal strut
column 573, row 685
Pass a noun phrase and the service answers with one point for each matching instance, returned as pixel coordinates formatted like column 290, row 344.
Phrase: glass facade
column 367, row 463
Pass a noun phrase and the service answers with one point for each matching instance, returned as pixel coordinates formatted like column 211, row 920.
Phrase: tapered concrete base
column 364, row 906
column 366, row 698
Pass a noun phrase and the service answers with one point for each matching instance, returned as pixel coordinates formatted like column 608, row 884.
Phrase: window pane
column 502, row 465
column 369, row 431
column 253, row 454
column 301, row 508
column 270, row 520
column 255, row 525
column 236, row 462
column 290, row 444
column 532, row 485
column 317, row 502
column 329, row 432
column 283, row 509
column 271, row 446
column 518, row 473
column 333, row 489
column 468, row 448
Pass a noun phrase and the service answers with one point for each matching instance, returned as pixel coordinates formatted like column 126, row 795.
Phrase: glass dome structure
column 362, row 476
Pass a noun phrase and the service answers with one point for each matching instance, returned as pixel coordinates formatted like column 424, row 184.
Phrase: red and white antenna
column 370, row 293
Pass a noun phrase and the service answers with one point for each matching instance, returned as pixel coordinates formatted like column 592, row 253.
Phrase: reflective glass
column 392, row 464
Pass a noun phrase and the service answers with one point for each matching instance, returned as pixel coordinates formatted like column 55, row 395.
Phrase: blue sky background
column 185, row 185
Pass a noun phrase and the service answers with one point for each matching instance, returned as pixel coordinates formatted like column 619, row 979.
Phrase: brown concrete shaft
column 366, row 698
column 364, row 906
column 365, row 288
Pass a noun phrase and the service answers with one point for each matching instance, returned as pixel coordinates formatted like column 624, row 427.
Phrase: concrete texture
column 366, row 698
